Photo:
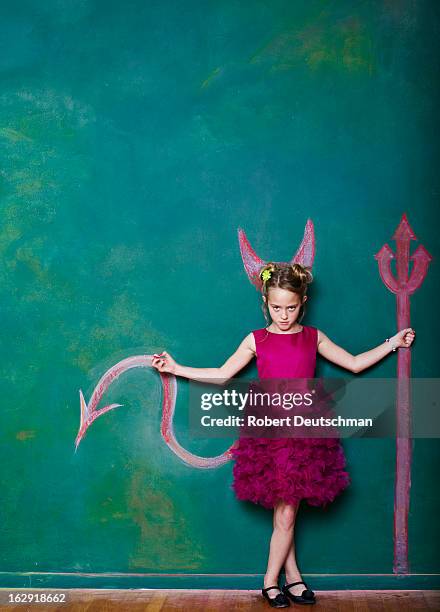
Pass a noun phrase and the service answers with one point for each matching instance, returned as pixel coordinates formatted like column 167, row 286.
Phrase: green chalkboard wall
column 136, row 138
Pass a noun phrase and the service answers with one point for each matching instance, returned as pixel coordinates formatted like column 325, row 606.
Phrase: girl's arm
column 236, row 362
column 357, row 363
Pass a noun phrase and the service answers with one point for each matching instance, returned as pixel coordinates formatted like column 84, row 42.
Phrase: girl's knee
column 284, row 516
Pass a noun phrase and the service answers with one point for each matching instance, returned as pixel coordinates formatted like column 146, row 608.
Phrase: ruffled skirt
column 268, row 470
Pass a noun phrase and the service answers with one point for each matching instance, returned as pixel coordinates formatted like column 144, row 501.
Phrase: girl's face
column 284, row 307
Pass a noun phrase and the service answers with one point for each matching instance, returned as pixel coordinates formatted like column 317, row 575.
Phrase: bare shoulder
column 249, row 343
column 321, row 337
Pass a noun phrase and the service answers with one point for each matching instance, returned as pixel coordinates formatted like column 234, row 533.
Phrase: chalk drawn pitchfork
column 403, row 286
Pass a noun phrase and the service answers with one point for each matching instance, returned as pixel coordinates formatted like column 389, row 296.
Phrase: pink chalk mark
column 403, row 287
column 384, row 257
column 89, row 412
column 305, row 254
column 421, row 259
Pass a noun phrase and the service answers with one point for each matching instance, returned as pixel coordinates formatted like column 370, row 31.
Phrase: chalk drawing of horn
column 305, row 254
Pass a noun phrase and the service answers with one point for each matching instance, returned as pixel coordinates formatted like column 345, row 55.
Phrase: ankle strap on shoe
column 270, row 588
column 287, row 586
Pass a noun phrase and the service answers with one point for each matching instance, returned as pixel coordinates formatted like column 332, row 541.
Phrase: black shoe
column 280, row 601
column 306, row 597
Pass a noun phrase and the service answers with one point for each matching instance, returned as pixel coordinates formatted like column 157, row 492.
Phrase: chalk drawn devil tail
column 89, row 411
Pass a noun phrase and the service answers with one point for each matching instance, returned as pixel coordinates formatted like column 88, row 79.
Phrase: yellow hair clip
column 265, row 275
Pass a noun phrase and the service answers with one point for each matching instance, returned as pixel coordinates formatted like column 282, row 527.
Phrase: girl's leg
column 291, row 569
column 283, row 521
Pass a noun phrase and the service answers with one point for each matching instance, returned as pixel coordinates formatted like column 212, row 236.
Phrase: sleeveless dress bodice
column 290, row 355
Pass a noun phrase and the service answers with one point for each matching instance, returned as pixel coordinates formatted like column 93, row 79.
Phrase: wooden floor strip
column 219, row 600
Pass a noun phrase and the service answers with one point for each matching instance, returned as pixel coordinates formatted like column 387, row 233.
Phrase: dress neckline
column 287, row 334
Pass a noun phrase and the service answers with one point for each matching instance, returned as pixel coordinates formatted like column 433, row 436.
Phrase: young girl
column 279, row 473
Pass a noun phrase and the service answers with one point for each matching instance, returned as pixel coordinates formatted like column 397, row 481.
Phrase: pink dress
column 267, row 470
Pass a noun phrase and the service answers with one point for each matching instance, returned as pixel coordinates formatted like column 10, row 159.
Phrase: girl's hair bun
column 269, row 267
column 303, row 274
column 293, row 277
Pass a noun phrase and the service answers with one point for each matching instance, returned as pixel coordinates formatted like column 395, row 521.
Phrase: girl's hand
column 404, row 338
column 164, row 363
